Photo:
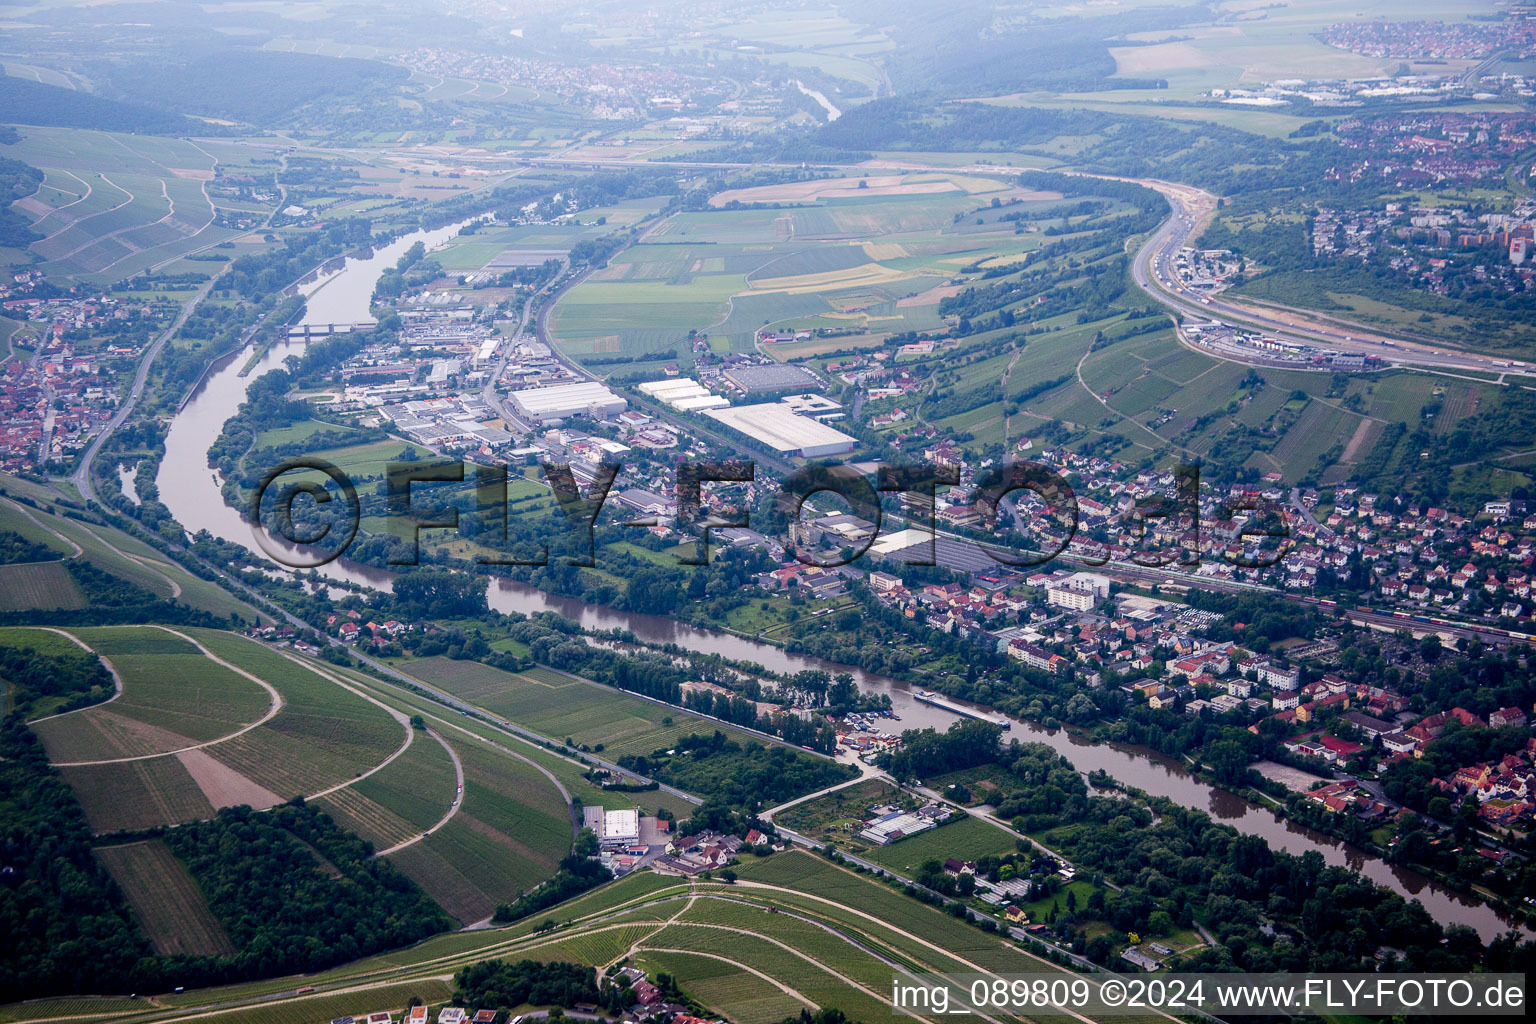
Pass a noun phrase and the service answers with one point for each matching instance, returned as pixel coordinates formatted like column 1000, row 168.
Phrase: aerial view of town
column 767, row 511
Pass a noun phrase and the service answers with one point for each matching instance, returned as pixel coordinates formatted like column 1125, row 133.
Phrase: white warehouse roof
column 696, row 403
column 564, row 400
column 777, row 426
column 670, row 385
column 621, row 824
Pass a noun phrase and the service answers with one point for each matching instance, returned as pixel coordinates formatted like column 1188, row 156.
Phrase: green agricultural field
column 568, row 771
column 903, row 922
column 114, row 204
column 322, row 1006
column 508, row 796
column 38, row 585
column 507, row 836
column 295, row 433
column 462, row 871
column 320, row 738
column 559, row 706
column 966, row 839
column 868, row 263
column 166, row 901
column 758, row 940
column 113, row 551
column 43, row 641
column 401, row 800
column 323, row 736
column 170, row 700
column 598, row 946
column 25, row 521
column 794, row 930
column 126, row 796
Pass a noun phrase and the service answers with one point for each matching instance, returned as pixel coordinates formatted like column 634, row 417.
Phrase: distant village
column 63, row 379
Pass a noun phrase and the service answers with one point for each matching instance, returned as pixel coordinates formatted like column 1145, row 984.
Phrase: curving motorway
column 1153, row 272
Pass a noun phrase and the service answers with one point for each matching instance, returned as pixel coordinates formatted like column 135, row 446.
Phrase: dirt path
column 82, row 220
column 458, row 799
column 78, row 550
column 1122, row 416
column 1356, row 441
column 827, row 968
column 792, row 993
column 398, row 716
column 117, row 680
column 153, row 565
column 272, row 710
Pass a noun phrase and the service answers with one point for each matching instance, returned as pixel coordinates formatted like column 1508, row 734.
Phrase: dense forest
column 65, row 923
column 14, row 548
column 503, row 985
column 970, row 51
column 258, row 87
column 17, row 181
column 297, row 893
column 26, row 102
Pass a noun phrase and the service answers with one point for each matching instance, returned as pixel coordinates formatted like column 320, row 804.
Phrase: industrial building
column 758, row 378
column 892, row 823
column 683, row 394
column 612, row 828
column 545, row 406
column 780, row 428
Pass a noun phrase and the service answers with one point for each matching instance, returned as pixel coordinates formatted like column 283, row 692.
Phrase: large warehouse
column 778, row 426
column 683, row 394
column 774, row 377
column 541, row 406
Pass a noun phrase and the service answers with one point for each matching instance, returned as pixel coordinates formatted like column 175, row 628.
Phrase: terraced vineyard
column 190, row 735
column 38, row 585
column 45, row 522
column 795, row 931
column 323, row 736
column 401, row 800
column 115, row 204
column 173, row 698
column 166, row 901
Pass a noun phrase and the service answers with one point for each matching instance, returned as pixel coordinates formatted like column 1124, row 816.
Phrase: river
column 340, row 292
column 832, row 112
column 190, row 489
column 128, row 481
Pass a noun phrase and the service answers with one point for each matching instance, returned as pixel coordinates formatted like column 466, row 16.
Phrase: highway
column 1154, row 273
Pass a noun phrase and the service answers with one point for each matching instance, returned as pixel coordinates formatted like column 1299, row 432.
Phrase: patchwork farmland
column 853, row 259
column 205, row 720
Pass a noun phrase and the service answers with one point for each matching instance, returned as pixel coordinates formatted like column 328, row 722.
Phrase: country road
column 81, row 477
column 1153, row 272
